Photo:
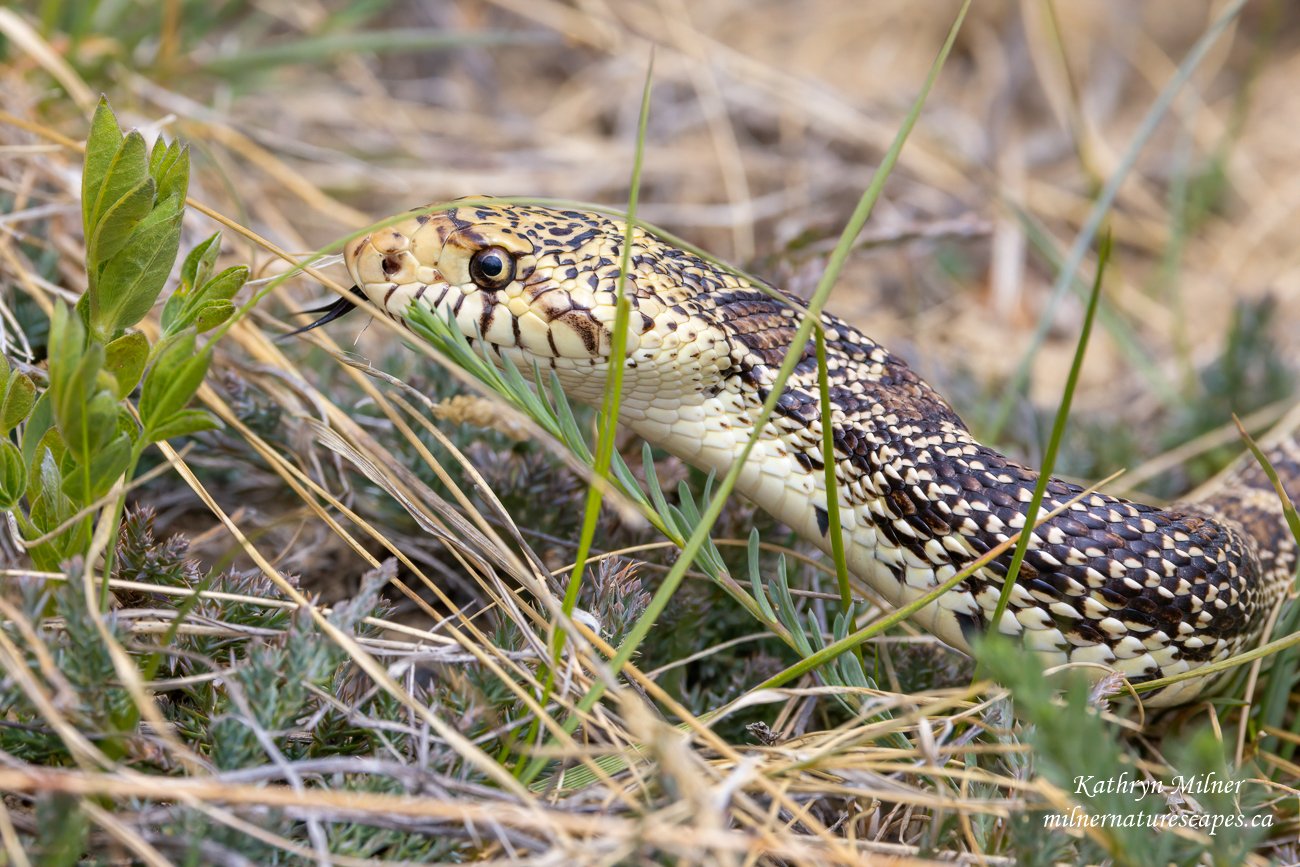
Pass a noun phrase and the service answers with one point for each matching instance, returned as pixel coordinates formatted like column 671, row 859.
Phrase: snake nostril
column 392, row 264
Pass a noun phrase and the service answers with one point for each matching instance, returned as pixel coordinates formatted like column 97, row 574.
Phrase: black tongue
column 337, row 309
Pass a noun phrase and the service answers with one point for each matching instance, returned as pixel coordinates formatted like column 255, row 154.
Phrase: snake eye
column 492, row 268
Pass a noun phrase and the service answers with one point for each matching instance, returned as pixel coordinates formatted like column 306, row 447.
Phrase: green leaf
column 118, row 222
column 183, row 423
column 173, row 172
column 66, row 344
column 39, row 424
column 101, row 146
column 49, row 481
column 13, row 475
column 131, row 281
column 51, row 508
column 126, row 423
column 84, row 414
column 100, row 420
column 171, row 310
column 132, row 203
column 212, row 314
column 181, row 387
column 199, row 263
column 224, row 286
column 159, row 156
column 107, row 465
column 125, row 359
column 171, row 355
column 208, row 306
column 127, row 169
column 19, row 395
column 83, row 305
column 171, row 382
column 53, row 447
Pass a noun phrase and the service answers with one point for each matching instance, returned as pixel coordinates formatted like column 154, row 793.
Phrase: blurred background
column 308, row 120
column 1169, row 124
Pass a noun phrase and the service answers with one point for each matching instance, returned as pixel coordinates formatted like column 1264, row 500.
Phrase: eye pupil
column 492, row 268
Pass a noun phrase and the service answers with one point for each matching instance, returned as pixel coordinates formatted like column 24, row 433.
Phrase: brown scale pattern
column 1187, row 579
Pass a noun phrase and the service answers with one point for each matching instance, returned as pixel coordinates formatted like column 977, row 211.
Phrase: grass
column 1106, row 198
column 1054, row 441
column 333, row 624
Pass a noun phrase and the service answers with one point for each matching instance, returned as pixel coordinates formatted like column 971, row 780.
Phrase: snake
column 1146, row 591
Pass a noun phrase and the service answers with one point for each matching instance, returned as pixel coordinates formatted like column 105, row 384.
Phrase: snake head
column 539, row 286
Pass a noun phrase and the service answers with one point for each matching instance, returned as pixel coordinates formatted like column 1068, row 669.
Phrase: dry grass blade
column 330, row 624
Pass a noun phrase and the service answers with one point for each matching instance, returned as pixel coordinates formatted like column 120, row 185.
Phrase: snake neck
column 1149, row 591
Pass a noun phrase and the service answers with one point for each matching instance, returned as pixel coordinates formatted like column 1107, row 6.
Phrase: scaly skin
column 1148, row 591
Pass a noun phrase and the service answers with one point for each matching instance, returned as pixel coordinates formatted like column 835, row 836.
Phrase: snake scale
column 1148, row 591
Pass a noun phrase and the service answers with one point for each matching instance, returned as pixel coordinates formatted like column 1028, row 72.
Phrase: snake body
column 1148, row 591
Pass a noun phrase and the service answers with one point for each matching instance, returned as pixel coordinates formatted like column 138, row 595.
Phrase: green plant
column 83, row 434
column 1107, row 783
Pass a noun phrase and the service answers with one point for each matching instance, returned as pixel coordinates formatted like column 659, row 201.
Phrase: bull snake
column 1148, row 591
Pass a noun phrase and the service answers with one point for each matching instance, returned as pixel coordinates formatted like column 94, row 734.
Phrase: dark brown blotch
column 902, row 503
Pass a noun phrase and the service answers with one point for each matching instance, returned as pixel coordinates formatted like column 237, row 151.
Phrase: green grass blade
column 320, row 49
column 832, row 483
column 608, row 420
column 617, row 363
column 1102, row 205
column 836, row 263
column 1054, row 442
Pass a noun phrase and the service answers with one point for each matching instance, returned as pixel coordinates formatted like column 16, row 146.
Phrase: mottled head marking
column 553, row 302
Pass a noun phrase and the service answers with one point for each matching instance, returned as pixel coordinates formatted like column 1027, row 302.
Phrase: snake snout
column 386, row 257
column 392, row 268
